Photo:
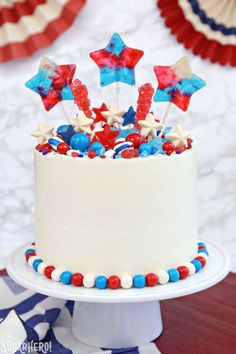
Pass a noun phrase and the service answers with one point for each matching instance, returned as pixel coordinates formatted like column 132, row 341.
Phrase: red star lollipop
column 99, row 117
column 107, row 136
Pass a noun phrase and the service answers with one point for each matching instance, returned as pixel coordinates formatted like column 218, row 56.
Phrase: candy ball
column 79, row 141
column 126, row 281
column 91, row 154
column 66, row 277
column 89, row 280
column 145, row 147
column 101, row 282
column 114, row 282
column 169, row 147
column 29, row 255
column 77, row 279
column 203, row 251
column 151, row 279
column 139, row 281
column 191, row 268
column 48, row 271
column 201, row 244
column 41, row 267
column 56, row 275
column 183, row 271
column 202, row 260
column 31, row 260
column 98, row 148
column 163, row 277
column 36, row 263
column 197, row 264
column 173, row 274
column 29, row 250
column 204, row 255
column 136, row 138
column 62, row 148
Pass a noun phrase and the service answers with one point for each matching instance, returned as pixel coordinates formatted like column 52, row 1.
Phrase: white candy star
column 113, row 116
column 178, row 136
column 43, row 133
column 82, row 123
column 150, row 126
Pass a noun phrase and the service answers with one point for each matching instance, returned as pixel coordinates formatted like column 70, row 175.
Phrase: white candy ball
column 89, row 280
column 42, row 267
column 204, row 255
column 163, row 276
column 56, row 274
column 190, row 267
column 109, row 153
column 31, row 260
column 126, row 281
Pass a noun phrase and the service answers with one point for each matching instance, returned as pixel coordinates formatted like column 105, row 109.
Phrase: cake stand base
column 119, row 318
column 117, row 325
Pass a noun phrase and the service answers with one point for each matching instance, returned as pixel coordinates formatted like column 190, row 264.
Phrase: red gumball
column 29, row 255
column 113, row 282
column 202, row 260
column 62, row 148
column 169, row 147
column 183, row 271
column 91, row 154
column 151, row 279
column 77, row 279
column 137, row 139
column 48, row 271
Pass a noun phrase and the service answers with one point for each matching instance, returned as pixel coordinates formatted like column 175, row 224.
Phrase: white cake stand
column 119, row 318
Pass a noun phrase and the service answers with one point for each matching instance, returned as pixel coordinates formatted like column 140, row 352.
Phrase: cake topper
column 176, row 84
column 52, row 82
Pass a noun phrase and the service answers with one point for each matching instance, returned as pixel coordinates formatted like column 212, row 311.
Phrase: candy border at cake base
column 125, row 281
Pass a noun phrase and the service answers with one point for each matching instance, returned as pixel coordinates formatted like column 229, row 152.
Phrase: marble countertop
column 211, row 116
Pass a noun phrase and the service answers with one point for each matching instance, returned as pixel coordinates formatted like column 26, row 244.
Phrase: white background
column 211, row 116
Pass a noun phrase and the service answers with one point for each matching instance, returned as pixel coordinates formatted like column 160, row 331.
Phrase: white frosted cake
column 115, row 190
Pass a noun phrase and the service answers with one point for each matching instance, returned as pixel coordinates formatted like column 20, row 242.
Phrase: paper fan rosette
column 26, row 25
column 207, row 27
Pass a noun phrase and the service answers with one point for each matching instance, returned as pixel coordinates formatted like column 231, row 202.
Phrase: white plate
column 216, row 269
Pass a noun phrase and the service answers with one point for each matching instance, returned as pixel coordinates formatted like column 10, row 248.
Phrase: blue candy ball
column 201, row 244
column 29, row 250
column 98, row 148
column 173, row 275
column 139, row 281
column 197, row 264
column 101, row 282
column 36, row 263
column 203, row 251
column 145, row 147
column 65, row 277
column 79, row 141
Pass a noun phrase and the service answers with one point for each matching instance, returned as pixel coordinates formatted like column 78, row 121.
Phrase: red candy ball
column 169, row 147
column 137, row 139
column 29, row 255
column 151, row 279
column 48, row 271
column 91, row 154
column 202, row 260
column 183, row 271
column 62, row 148
column 113, row 282
column 77, row 279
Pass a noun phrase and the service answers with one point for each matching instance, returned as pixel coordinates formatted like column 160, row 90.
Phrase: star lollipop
column 177, row 83
column 116, row 61
column 52, row 82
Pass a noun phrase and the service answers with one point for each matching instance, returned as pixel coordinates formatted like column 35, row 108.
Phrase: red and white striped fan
column 29, row 25
column 207, row 27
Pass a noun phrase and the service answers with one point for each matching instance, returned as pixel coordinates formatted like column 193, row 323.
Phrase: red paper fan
column 207, row 27
column 29, row 25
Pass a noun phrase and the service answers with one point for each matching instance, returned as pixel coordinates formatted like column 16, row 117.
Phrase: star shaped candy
column 177, row 83
column 113, row 116
column 116, row 61
column 129, row 117
column 43, row 133
column 107, row 136
column 82, row 123
column 98, row 111
column 52, row 82
column 178, row 136
column 150, row 126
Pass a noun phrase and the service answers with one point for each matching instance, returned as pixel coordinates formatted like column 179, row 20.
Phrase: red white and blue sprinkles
column 113, row 281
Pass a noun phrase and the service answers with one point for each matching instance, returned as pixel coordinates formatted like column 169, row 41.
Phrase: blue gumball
column 101, row 282
column 145, row 148
column 173, row 275
column 98, row 148
column 79, row 141
column 65, row 277
column 139, row 281
column 197, row 264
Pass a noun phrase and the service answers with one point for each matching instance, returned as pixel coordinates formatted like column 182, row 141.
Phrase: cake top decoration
column 109, row 131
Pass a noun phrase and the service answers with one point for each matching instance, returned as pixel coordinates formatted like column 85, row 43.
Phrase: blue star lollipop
column 129, row 116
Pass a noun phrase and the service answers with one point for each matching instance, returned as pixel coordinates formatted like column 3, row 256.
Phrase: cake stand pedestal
column 119, row 318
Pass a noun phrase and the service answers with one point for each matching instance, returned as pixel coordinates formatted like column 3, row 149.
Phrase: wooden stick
column 117, row 94
column 64, row 112
column 166, row 113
